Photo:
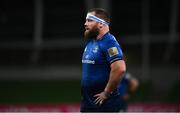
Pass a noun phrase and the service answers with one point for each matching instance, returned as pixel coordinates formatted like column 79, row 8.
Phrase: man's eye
column 89, row 20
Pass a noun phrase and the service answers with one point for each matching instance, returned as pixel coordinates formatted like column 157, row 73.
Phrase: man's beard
column 93, row 33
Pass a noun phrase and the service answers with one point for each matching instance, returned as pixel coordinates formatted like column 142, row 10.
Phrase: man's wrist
column 107, row 94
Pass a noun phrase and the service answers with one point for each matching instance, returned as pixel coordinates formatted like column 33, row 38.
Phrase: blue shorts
column 124, row 106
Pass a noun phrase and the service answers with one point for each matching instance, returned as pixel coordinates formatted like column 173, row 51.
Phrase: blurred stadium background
column 41, row 45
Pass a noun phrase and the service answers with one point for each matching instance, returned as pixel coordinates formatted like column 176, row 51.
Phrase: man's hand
column 126, row 97
column 101, row 97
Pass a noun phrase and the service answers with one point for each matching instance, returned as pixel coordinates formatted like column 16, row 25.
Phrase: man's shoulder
column 108, row 38
column 107, row 41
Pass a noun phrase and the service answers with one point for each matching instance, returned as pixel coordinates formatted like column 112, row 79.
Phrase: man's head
column 96, row 20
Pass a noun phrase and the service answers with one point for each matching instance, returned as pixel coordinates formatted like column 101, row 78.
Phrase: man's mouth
column 86, row 28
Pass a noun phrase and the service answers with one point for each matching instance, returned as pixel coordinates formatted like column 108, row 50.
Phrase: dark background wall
column 41, row 43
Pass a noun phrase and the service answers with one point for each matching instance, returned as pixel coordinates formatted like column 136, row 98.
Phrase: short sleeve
column 113, row 51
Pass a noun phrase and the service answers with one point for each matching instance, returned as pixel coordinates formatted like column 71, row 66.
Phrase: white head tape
column 95, row 18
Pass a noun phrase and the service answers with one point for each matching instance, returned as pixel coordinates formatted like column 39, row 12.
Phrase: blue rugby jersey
column 96, row 60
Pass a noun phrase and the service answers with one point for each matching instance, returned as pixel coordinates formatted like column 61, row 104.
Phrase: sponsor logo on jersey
column 113, row 51
column 88, row 61
column 95, row 49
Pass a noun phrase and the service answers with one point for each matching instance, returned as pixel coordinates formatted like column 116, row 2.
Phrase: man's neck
column 102, row 32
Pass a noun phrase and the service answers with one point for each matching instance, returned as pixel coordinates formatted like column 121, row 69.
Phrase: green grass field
column 40, row 91
column 65, row 92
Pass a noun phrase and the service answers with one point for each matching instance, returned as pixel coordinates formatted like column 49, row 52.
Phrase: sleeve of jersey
column 113, row 51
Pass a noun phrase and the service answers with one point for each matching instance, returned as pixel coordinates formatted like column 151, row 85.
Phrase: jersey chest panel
column 93, row 54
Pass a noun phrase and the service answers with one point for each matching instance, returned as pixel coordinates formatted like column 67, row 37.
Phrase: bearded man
column 102, row 65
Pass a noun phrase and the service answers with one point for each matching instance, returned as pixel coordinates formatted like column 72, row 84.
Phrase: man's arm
column 133, row 85
column 117, row 70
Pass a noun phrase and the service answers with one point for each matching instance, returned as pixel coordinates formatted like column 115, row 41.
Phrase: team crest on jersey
column 87, row 56
column 113, row 51
column 95, row 49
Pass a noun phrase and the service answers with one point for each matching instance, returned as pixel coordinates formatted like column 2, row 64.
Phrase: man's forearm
column 114, row 80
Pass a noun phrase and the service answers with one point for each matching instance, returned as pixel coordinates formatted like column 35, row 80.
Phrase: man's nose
column 85, row 24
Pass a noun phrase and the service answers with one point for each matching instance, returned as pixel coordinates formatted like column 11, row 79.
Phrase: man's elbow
column 134, row 84
column 122, row 68
column 121, row 71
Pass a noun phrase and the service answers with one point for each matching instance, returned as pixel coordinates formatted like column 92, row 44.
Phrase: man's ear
column 100, row 25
